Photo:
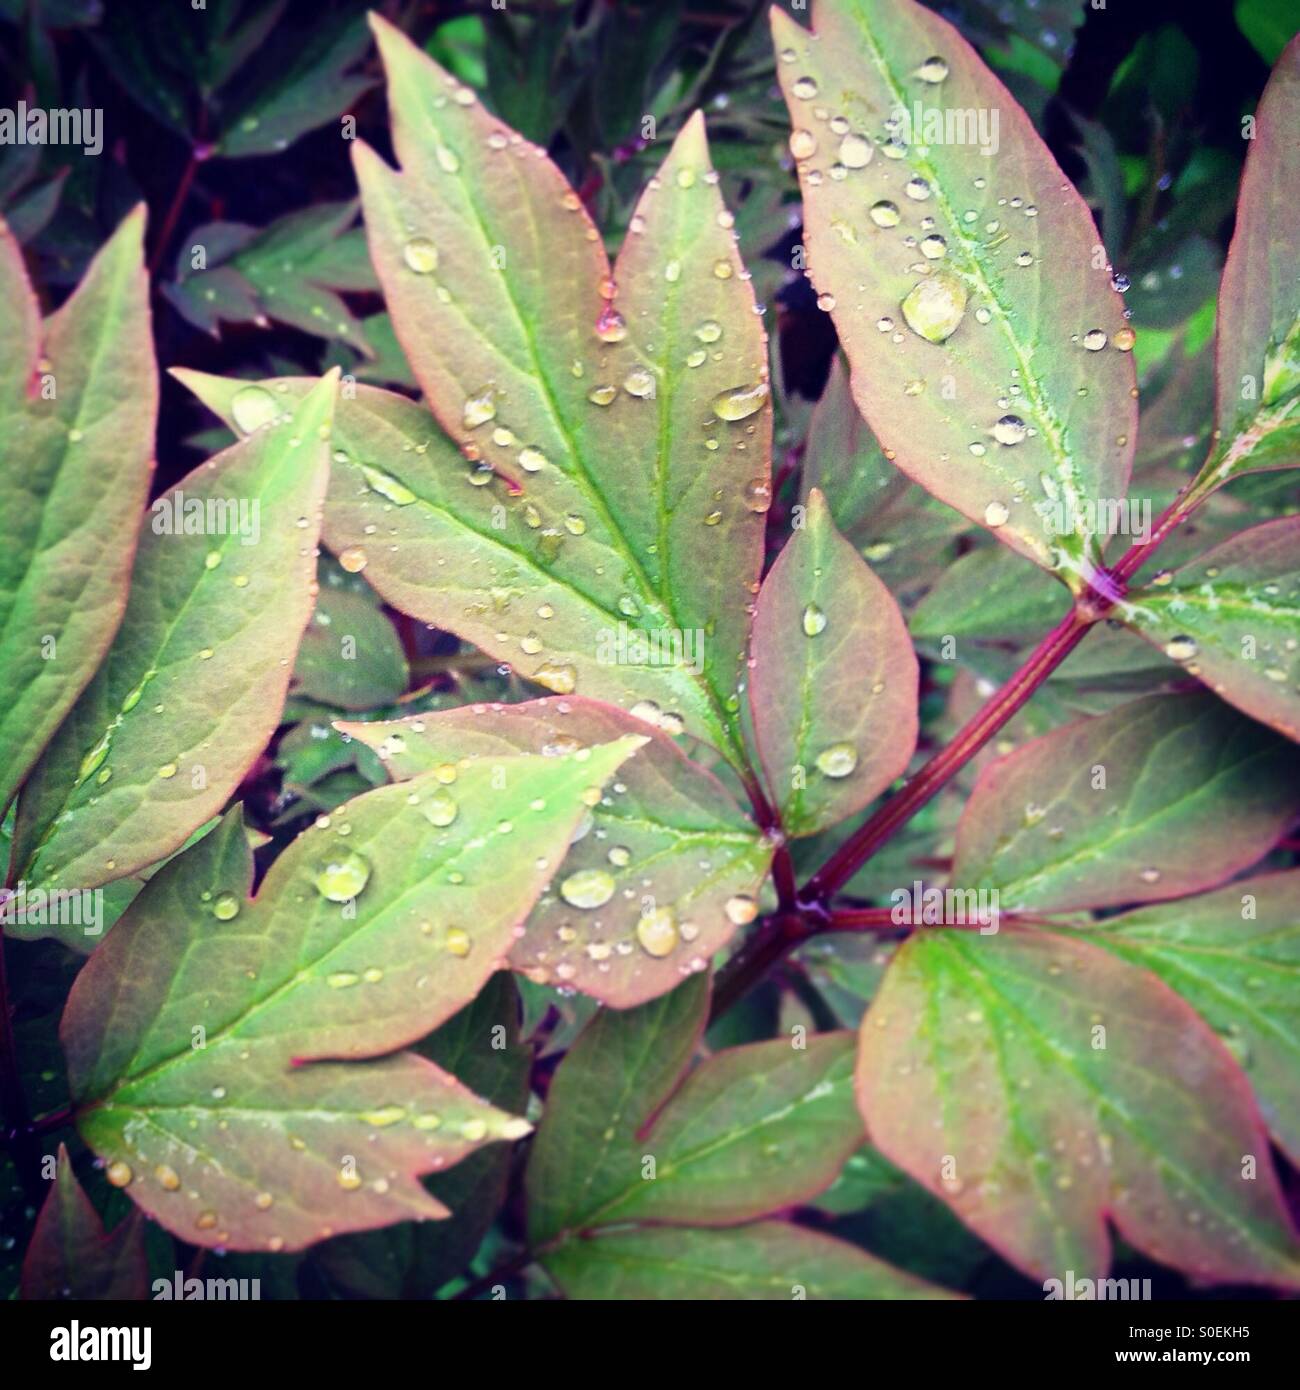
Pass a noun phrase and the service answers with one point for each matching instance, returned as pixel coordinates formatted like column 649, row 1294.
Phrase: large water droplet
column 440, row 809
column 1181, row 648
column 935, row 307
column 855, row 151
column 740, row 402
column 803, row 144
column 251, row 407
column 225, row 907
column 838, row 760
column 934, row 69
column 741, row 909
column 657, row 931
column 1009, row 430
column 480, row 409
column 387, row 486
column 814, row 620
column 343, row 876
column 588, row 888
column 885, row 213
column 421, row 255
column 558, row 677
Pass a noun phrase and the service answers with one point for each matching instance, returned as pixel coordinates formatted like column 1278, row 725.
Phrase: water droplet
column 996, row 514
column 439, row 809
column 588, row 888
column 167, row 1177
column 757, row 495
column 343, row 979
column 1009, row 430
column 855, row 151
column 709, row 331
column 343, row 876
column 480, row 409
column 620, row 856
column 917, row 188
column 935, row 307
column 805, row 88
column 640, row 383
column 1150, row 875
column 610, row 326
column 741, row 909
column 722, row 270
column 740, row 402
column 226, row 907
column 933, row 247
column 602, row 395
column 803, row 144
column 1094, row 340
column 1025, row 258
column 387, row 486
column 657, row 931
column 118, row 1173
column 560, row 678
column 838, row 760
column 814, row 620
column 1181, row 648
column 458, row 942
column 421, row 255
column 532, row 460
column 251, row 407
column 885, row 213
column 826, row 302
column 934, row 69
column 1124, row 339
column 353, row 559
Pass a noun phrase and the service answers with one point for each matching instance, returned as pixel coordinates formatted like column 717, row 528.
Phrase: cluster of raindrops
column 527, row 458
column 950, row 271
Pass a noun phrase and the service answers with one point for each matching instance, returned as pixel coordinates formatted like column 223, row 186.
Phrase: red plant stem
column 812, row 916
column 950, row 759
column 198, row 153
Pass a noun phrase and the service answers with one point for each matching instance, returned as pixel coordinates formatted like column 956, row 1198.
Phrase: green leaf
column 350, row 656
column 1234, row 956
column 191, row 690
column 189, row 1030
column 1257, row 363
column 481, row 1046
column 989, row 594
column 625, row 1138
column 1042, row 1087
column 1268, row 24
column 311, row 90
column 1232, row 617
column 668, row 865
column 768, row 1260
column 834, row 685
column 630, row 404
column 289, row 272
column 76, row 474
column 970, row 365
column 71, row 1255
column 1163, row 796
